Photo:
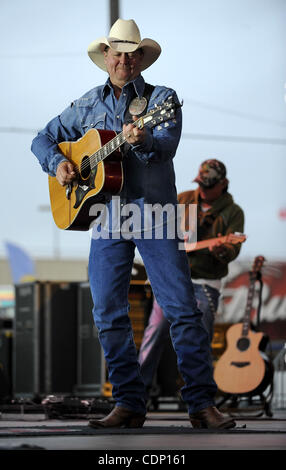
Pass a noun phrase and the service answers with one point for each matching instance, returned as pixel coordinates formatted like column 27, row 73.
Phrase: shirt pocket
column 94, row 122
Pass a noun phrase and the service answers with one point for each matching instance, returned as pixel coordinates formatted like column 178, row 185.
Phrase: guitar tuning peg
column 159, row 127
column 167, row 124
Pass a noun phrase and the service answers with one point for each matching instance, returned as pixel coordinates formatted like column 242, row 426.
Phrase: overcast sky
column 225, row 58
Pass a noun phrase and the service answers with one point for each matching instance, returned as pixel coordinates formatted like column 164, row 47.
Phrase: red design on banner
column 234, row 295
column 282, row 213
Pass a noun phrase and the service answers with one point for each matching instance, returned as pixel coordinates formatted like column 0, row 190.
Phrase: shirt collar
column 138, row 84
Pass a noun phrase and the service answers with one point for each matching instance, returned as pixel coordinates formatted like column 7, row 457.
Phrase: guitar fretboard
column 157, row 115
column 203, row 244
column 253, row 276
column 106, row 150
column 246, row 319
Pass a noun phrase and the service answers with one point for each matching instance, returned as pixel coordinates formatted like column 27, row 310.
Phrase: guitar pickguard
column 84, row 186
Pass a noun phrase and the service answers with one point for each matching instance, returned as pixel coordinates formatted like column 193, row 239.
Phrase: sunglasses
column 203, row 186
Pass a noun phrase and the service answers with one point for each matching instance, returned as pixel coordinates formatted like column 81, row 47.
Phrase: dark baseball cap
column 211, row 171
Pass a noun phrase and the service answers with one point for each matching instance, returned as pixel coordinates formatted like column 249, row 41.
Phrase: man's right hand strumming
column 65, row 173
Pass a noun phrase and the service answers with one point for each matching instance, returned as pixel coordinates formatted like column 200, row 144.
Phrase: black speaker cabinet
column 28, row 341
column 44, row 339
column 60, row 322
column 91, row 368
column 6, row 334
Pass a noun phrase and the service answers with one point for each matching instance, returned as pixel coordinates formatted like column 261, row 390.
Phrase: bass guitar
column 97, row 161
column 242, row 369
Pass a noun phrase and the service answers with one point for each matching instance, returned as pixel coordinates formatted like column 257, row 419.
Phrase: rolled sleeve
column 45, row 145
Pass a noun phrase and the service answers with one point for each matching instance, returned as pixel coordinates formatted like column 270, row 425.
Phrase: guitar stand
column 263, row 407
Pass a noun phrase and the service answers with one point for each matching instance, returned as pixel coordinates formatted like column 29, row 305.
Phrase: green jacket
column 223, row 217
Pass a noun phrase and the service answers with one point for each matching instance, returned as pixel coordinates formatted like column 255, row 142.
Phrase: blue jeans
column 157, row 331
column 110, row 266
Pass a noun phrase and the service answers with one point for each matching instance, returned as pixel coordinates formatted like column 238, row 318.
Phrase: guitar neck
column 203, row 244
column 157, row 115
column 107, row 149
column 253, row 277
column 246, row 318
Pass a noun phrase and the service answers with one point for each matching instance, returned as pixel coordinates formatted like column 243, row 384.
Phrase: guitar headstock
column 235, row 238
column 257, row 264
column 161, row 113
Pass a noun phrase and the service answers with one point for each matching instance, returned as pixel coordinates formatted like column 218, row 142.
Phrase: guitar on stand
column 243, row 369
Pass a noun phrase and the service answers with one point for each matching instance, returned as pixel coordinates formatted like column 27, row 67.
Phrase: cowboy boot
column 211, row 418
column 119, row 417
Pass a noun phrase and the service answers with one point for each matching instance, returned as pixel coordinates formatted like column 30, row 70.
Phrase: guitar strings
column 86, row 165
column 106, row 146
column 118, row 137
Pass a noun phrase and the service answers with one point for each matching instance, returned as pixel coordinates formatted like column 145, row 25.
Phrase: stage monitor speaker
column 60, row 322
column 28, row 341
column 44, row 339
column 6, row 335
column 91, row 367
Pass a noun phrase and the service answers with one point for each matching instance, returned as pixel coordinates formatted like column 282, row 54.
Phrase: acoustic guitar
column 232, row 238
column 97, row 161
column 242, row 367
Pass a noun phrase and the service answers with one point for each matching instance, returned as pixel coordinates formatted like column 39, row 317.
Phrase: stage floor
column 164, row 431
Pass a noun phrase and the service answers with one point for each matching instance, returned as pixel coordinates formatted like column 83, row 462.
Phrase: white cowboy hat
column 124, row 36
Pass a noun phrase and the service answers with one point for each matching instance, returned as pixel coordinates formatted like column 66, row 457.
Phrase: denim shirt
column 149, row 175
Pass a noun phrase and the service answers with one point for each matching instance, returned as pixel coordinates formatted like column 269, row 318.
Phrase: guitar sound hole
column 85, row 168
column 243, row 344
